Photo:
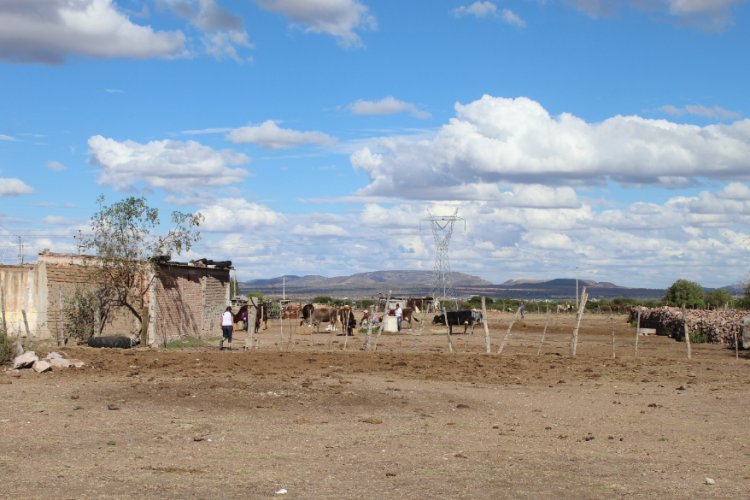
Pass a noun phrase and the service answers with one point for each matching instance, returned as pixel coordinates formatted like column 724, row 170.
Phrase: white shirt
column 227, row 319
column 399, row 313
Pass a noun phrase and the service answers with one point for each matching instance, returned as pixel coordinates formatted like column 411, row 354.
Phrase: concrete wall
column 20, row 292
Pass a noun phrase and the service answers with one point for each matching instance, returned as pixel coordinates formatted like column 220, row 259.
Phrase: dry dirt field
column 302, row 417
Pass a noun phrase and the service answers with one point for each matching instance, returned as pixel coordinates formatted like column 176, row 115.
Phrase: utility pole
column 20, row 250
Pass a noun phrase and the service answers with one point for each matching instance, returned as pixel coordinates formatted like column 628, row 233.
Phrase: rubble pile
column 719, row 326
column 53, row 361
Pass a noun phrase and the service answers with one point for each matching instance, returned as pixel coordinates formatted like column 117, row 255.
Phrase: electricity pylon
column 442, row 229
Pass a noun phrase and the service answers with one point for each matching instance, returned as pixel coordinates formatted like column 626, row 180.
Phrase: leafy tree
column 744, row 302
column 80, row 313
column 123, row 237
column 322, row 299
column 718, row 298
column 684, row 292
column 475, row 302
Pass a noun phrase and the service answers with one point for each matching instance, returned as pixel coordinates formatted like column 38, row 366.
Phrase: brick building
column 183, row 300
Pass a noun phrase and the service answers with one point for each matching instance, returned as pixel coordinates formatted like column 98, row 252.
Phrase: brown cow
column 407, row 314
column 314, row 316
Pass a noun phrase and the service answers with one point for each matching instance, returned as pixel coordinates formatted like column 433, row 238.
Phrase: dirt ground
column 304, row 416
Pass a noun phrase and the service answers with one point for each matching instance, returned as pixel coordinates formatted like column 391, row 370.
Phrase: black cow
column 349, row 322
column 455, row 318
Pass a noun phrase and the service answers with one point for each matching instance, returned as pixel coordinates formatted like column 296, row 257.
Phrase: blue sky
column 607, row 139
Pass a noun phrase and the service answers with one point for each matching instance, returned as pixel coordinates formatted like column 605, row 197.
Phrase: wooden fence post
column 2, row 307
column 612, row 324
column 382, row 323
column 579, row 315
column 28, row 333
column 369, row 329
column 544, row 333
column 637, row 331
column 487, row 347
column 687, row 334
column 507, row 334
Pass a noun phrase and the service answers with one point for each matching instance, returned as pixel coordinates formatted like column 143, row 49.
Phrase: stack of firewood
column 719, row 326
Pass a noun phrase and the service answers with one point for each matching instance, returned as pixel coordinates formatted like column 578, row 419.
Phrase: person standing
column 227, row 325
column 399, row 315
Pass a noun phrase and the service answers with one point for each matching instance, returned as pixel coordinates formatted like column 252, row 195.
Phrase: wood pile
column 719, row 326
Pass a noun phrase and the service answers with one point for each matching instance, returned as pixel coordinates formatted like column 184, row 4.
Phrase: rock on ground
column 25, row 360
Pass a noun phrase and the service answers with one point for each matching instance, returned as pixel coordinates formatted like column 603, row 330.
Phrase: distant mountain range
column 419, row 283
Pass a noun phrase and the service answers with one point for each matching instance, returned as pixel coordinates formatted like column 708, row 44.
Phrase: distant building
column 185, row 299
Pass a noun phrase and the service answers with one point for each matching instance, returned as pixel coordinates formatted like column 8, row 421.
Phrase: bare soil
column 306, row 414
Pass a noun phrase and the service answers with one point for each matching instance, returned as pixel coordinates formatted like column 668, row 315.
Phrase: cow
column 564, row 308
column 314, row 316
column 407, row 314
column 261, row 315
column 420, row 304
column 366, row 319
column 348, row 321
column 455, row 318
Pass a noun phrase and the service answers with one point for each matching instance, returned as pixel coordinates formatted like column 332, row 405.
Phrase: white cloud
column 387, row 106
column 49, row 31
column 224, row 35
column 55, row 166
column 57, row 220
column 685, row 7
column 237, row 214
column 271, row 136
column 10, row 186
column 338, row 18
column 493, row 141
column 477, row 9
column 735, row 191
column 549, row 240
column 701, row 237
column 712, row 14
column 511, row 17
column 7, row 138
column 171, row 165
column 210, row 130
column 713, row 112
column 317, row 229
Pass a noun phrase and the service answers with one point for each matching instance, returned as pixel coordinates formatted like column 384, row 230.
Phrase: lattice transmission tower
column 442, row 230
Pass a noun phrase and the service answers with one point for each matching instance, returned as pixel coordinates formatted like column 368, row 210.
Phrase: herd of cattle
column 313, row 315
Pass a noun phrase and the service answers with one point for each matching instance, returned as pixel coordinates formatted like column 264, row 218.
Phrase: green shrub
column 79, row 314
column 698, row 337
column 6, row 347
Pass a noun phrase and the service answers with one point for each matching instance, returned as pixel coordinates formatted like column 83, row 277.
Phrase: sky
column 602, row 139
